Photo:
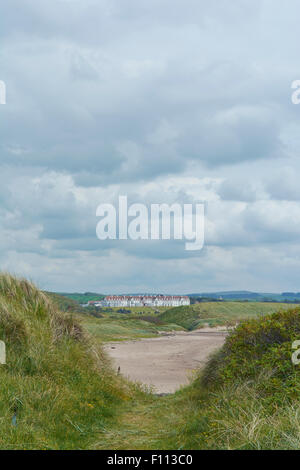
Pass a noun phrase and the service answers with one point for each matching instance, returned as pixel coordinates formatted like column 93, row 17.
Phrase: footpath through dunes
column 167, row 362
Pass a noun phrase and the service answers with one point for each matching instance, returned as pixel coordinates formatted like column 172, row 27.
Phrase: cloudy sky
column 165, row 101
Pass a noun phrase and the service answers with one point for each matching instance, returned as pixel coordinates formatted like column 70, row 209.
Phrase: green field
column 81, row 298
column 125, row 327
column 135, row 310
column 218, row 313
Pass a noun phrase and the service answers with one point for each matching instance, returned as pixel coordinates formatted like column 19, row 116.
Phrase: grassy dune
column 125, row 327
column 65, row 304
column 218, row 313
column 57, row 389
column 248, row 397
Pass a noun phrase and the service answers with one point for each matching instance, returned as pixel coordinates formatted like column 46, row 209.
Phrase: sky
column 165, row 101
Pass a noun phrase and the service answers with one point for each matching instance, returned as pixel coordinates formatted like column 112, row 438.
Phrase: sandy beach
column 166, row 362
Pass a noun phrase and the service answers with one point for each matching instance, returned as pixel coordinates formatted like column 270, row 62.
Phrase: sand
column 167, row 362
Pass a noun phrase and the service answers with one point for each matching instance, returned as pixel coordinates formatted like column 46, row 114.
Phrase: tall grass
column 57, row 389
column 248, row 396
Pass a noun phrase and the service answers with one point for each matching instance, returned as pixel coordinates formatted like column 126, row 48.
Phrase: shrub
column 260, row 351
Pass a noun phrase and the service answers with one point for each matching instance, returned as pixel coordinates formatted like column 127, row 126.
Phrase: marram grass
column 57, row 390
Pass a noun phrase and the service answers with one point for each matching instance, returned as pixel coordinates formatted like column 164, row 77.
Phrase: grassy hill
column 126, row 327
column 250, row 296
column 82, row 298
column 65, row 304
column 218, row 313
column 248, row 397
column 57, row 388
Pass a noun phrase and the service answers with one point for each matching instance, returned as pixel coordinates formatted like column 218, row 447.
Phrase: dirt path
column 147, row 423
column 167, row 362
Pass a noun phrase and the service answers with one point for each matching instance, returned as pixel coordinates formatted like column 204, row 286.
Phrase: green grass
column 65, row 304
column 248, row 396
column 81, row 298
column 218, row 313
column 135, row 310
column 142, row 322
column 57, row 382
column 125, row 327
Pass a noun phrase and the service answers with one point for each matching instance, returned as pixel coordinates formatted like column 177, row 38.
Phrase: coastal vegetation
column 59, row 390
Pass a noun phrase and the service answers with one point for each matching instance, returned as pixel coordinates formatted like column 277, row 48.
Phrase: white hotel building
column 141, row 301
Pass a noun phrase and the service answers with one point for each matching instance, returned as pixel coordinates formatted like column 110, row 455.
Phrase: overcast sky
column 165, row 101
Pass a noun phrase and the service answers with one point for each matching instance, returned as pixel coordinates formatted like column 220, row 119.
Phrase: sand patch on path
column 168, row 361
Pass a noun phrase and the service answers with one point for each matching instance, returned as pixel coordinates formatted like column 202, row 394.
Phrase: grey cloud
column 166, row 101
column 74, row 104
